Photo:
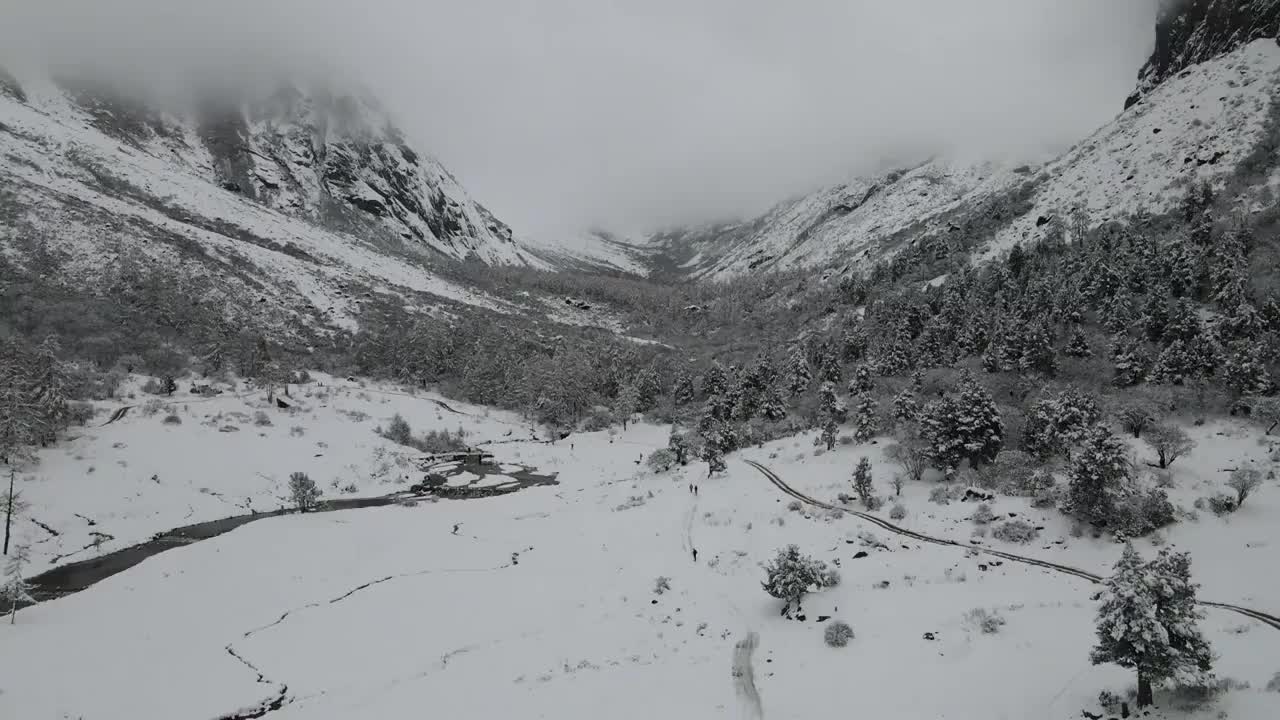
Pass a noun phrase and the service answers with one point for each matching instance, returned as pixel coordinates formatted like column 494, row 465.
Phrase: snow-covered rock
column 1193, row 31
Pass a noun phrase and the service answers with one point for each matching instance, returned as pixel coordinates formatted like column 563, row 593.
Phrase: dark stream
column 76, row 576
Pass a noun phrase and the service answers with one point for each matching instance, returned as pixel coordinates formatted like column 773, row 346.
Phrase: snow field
column 569, row 627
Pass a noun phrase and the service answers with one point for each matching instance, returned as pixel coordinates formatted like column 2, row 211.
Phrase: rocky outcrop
column 1189, row 32
column 330, row 156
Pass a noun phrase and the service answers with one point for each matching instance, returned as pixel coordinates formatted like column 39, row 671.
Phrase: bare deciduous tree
column 1169, row 442
column 1244, row 481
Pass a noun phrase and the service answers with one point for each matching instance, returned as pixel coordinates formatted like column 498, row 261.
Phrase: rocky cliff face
column 331, row 157
column 1189, row 32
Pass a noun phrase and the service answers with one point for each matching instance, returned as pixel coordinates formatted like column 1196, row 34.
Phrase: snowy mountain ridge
column 294, row 202
column 1206, row 102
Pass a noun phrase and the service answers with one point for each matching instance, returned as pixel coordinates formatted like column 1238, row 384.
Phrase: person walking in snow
column 695, row 554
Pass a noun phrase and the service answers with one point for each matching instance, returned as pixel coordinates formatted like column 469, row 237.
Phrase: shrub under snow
column 988, row 622
column 897, row 512
column 837, row 633
column 1015, row 531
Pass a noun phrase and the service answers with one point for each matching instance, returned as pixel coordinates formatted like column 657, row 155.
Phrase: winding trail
column 1258, row 615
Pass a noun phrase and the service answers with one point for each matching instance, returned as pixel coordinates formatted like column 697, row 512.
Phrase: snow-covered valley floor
column 542, row 603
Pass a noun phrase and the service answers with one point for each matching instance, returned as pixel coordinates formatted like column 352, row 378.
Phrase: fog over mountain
column 634, row 115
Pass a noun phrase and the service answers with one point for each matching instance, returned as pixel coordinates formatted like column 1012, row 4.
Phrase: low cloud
column 639, row 113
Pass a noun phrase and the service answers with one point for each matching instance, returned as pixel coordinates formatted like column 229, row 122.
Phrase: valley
column 293, row 426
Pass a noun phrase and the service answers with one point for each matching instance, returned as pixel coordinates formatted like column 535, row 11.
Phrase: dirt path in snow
column 1258, row 615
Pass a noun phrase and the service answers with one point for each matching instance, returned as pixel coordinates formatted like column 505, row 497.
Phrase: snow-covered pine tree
column 1037, row 351
column 647, row 389
column 1097, row 476
column 865, row 423
column 1148, row 621
column 1243, row 372
column 977, row 422
column 626, row 404
column 1174, row 366
column 1119, row 315
column 830, row 406
column 905, row 407
column 1129, row 361
column 682, row 393
column 678, row 444
column 1155, row 317
column 830, row 370
column 862, row 483
column 714, row 456
column 49, row 391
column 830, row 431
column 893, row 358
column 789, row 576
column 771, row 406
column 798, row 375
column 1078, row 345
column 16, row 589
column 19, row 415
column 853, row 342
column 861, row 382
column 714, row 381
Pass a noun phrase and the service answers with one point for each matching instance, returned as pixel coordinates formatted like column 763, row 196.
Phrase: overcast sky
column 635, row 113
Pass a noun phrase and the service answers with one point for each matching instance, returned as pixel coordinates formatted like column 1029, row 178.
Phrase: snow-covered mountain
column 293, row 198
column 1206, row 109
column 1193, row 31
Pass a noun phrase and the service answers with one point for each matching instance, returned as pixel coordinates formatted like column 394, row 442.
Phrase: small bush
column 983, row 515
column 398, row 430
column 661, row 460
column 1015, row 531
column 1220, row 504
column 442, row 441
column 942, row 495
column 1046, row 499
column 303, row 491
column 152, row 407
column 829, row 578
column 837, row 634
column 898, row 512
column 80, row 413
column 261, row 419
column 846, row 440
column 661, row 585
column 794, row 506
column 873, row 502
column 988, row 622
column 844, row 498
column 634, row 501
column 1273, row 685
column 1143, row 512
column 297, row 431
column 152, row 387
column 350, row 488
column 1109, row 700
column 172, row 419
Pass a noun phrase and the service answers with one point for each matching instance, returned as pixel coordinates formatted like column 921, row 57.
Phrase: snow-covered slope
column 1193, row 31
column 859, row 220
column 547, row 602
column 1197, row 125
column 292, row 201
column 596, row 250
